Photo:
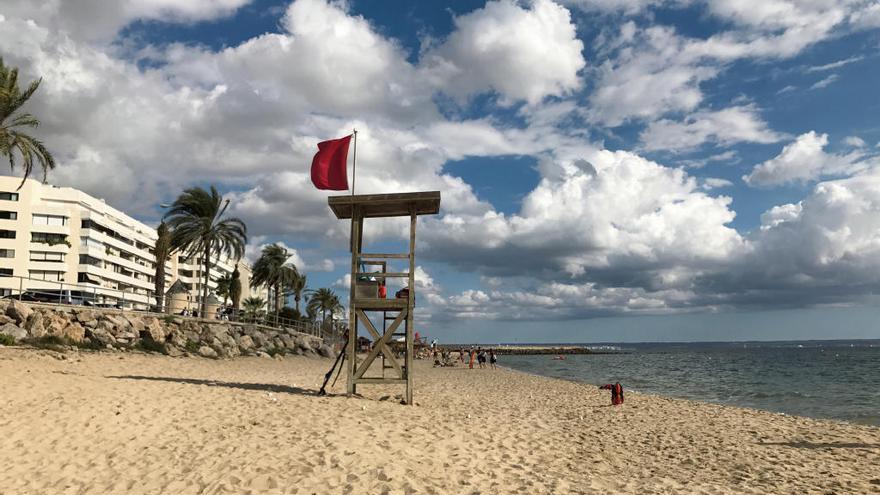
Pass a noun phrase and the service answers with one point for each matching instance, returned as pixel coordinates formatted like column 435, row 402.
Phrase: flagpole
column 354, row 162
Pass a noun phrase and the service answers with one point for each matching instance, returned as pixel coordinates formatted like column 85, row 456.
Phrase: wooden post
column 409, row 312
column 356, row 229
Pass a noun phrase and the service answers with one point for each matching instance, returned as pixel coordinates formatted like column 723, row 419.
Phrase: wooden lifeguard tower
column 364, row 293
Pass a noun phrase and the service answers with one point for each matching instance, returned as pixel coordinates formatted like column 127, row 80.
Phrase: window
column 88, row 278
column 7, row 234
column 48, row 238
column 56, row 220
column 89, row 242
column 47, row 256
column 85, row 259
column 46, row 275
column 7, row 253
column 8, row 215
column 9, row 196
column 5, row 272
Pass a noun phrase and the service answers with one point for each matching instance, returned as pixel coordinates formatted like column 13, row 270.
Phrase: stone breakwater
column 175, row 336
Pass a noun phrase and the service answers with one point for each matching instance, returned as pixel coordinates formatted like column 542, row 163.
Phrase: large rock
column 102, row 335
column 207, row 352
column 85, row 316
column 118, row 322
column 35, row 326
column 73, row 331
column 326, row 351
column 14, row 331
column 303, row 344
column 18, row 311
column 55, row 324
column 246, row 343
column 136, row 322
column 155, row 329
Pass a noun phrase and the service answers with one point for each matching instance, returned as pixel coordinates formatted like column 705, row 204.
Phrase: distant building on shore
column 61, row 239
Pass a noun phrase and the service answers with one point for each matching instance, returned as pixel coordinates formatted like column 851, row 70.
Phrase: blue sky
column 631, row 170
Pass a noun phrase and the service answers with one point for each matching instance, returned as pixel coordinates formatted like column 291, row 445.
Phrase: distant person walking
column 493, row 359
column 481, row 357
column 461, row 354
column 473, row 358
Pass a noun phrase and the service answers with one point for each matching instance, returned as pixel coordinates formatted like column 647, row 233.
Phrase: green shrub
column 191, row 347
column 150, row 345
column 275, row 350
column 90, row 344
column 6, row 339
column 168, row 319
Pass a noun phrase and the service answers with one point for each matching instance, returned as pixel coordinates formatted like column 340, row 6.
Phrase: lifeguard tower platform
column 364, row 297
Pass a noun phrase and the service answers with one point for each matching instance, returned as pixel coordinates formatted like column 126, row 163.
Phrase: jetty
column 538, row 349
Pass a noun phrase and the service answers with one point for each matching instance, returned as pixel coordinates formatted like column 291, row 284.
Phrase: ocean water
column 820, row 379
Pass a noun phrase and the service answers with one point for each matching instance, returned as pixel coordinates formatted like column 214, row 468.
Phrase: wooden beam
column 352, row 318
column 385, row 255
column 411, row 303
column 383, row 348
column 380, row 344
column 382, row 275
column 379, row 304
column 376, row 380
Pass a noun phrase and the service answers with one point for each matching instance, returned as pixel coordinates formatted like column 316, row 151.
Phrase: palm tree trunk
column 159, row 284
column 204, row 311
column 296, row 298
column 277, row 300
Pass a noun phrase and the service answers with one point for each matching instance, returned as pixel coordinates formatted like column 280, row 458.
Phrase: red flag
column 329, row 165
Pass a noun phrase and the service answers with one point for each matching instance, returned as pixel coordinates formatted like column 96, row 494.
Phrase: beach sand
column 136, row 423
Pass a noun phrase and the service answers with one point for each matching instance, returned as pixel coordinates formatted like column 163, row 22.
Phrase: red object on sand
column 616, row 393
column 329, row 165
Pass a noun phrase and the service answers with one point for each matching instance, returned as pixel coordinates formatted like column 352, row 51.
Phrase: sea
column 838, row 380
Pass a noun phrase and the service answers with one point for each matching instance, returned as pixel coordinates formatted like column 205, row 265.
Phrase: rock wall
column 176, row 336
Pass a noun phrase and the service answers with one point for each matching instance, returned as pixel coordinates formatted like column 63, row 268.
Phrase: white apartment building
column 61, row 239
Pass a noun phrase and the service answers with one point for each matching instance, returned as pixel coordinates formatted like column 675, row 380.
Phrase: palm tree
column 224, row 287
column 272, row 270
column 253, row 306
column 297, row 288
column 163, row 251
column 235, row 289
column 12, row 140
column 198, row 227
column 325, row 301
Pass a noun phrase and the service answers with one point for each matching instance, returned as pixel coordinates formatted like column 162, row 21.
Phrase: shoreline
column 628, row 391
column 142, row 423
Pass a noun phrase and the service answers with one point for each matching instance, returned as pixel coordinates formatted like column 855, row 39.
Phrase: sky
column 610, row 170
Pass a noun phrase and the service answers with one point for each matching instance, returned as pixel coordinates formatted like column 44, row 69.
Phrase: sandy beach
column 137, row 423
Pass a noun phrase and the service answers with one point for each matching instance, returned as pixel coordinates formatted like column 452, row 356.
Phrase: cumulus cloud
column 803, row 160
column 602, row 232
column 623, row 214
column 726, row 126
column 523, row 53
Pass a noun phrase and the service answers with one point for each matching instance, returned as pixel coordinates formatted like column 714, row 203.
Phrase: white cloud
column 727, row 126
column 834, row 65
column 523, row 53
column 803, row 160
column 855, row 141
column 710, row 183
column 824, row 83
column 100, row 20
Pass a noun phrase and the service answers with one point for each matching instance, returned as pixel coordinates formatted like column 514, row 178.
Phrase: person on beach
column 616, row 393
column 461, row 354
column 481, row 357
column 473, row 357
column 493, row 359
